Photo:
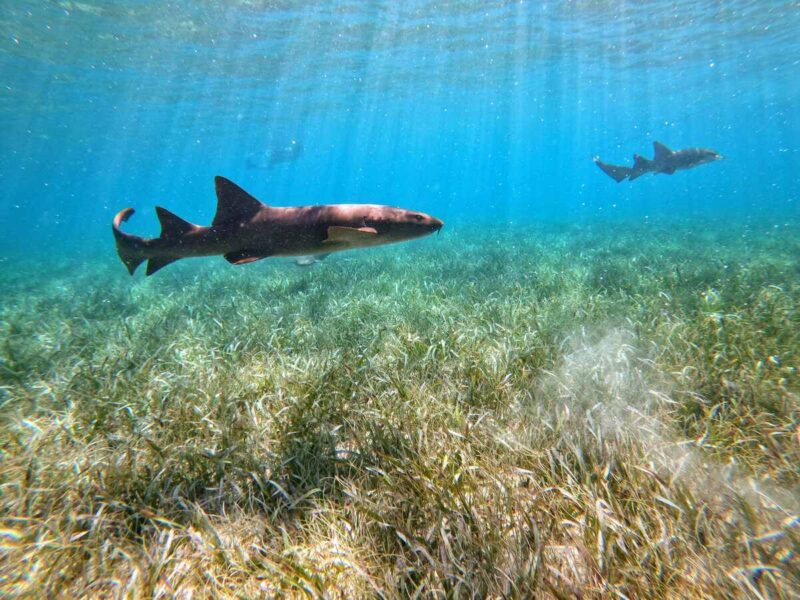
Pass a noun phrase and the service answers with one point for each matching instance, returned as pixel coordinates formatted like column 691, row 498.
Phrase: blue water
column 475, row 112
column 579, row 384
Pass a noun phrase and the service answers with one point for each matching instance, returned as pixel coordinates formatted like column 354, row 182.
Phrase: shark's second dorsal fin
column 234, row 205
column 660, row 151
column 171, row 224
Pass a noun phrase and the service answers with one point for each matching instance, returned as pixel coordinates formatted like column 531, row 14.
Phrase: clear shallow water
column 578, row 385
column 470, row 112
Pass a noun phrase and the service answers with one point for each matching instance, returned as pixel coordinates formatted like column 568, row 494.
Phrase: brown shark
column 245, row 230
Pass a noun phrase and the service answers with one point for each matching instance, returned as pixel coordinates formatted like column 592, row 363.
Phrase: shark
column 245, row 230
column 664, row 160
column 278, row 155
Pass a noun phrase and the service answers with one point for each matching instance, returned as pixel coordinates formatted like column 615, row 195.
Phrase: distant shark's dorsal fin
column 171, row 224
column 234, row 205
column 660, row 151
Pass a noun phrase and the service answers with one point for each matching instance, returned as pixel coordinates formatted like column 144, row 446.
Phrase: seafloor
column 552, row 410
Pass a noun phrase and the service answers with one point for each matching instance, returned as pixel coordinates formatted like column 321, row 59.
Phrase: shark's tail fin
column 134, row 250
column 617, row 173
column 129, row 247
column 641, row 165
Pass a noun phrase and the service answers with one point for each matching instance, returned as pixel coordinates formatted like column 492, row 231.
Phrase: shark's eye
column 419, row 217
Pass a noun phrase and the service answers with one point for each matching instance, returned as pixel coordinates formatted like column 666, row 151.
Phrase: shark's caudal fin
column 617, row 173
column 129, row 247
column 132, row 249
column 641, row 165
column 234, row 205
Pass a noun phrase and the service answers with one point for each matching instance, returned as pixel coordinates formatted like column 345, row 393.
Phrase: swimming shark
column 245, row 230
column 284, row 154
column 664, row 161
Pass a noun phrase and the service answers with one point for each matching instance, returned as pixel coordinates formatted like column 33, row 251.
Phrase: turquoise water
column 472, row 112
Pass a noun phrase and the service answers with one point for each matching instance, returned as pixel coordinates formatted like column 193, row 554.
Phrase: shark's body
column 664, row 161
column 245, row 230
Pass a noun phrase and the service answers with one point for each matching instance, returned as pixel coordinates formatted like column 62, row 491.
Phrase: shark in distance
column 664, row 161
column 287, row 153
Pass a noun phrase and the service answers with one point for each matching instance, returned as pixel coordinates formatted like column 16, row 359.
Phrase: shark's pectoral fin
column 242, row 257
column 349, row 235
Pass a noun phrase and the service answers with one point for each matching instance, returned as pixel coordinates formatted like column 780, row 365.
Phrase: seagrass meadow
column 552, row 411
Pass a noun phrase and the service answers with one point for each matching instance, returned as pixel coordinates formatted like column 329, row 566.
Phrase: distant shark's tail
column 641, row 165
column 617, row 173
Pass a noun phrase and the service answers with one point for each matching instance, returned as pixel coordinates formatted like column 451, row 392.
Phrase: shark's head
column 704, row 156
column 378, row 224
column 399, row 224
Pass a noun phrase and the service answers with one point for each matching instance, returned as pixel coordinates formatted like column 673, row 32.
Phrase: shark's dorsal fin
column 171, row 224
column 660, row 151
column 234, row 205
column 641, row 165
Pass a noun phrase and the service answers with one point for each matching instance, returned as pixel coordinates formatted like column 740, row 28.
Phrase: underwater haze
column 578, row 387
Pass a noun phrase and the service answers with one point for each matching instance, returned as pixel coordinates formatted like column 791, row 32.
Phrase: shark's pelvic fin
column 660, row 151
column 617, row 173
column 233, row 203
column 171, row 224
